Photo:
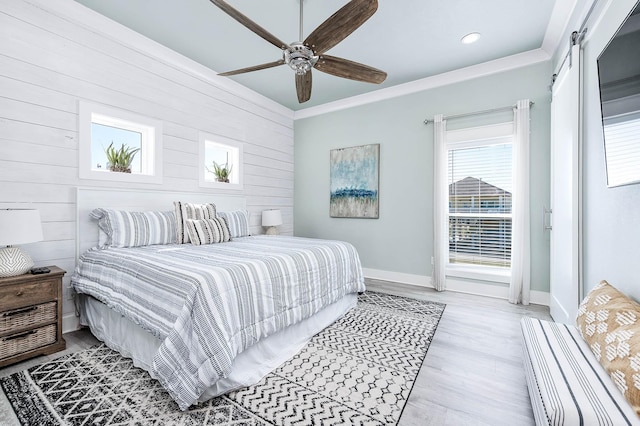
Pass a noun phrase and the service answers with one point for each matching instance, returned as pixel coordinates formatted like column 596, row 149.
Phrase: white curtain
column 440, row 203
column 520, row 285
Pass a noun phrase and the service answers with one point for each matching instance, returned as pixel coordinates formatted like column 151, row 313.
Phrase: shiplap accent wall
column 55, row 53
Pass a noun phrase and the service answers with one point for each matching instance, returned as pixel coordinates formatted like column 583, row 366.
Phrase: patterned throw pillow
column 186, row 211
column 238, row 221
column 609, row 322
column 134, row 229
column 207, row 231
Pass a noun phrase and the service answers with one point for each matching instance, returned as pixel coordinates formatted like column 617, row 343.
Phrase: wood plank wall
column 53, row 54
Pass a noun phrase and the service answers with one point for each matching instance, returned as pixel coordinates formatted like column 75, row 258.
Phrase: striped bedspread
column 208, row 303
column 566, row 383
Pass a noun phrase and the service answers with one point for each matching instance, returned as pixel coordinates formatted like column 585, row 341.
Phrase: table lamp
column 17, row 226
column 271, row 219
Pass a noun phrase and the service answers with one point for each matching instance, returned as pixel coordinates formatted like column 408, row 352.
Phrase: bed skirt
column 249, row 367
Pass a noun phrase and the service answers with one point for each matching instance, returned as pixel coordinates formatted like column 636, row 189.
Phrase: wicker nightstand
column 30, row 316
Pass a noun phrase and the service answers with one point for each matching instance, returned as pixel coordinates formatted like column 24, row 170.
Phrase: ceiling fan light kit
column 302, row 56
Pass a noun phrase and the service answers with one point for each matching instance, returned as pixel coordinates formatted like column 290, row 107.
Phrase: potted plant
column 221, row 172
column 119, row 160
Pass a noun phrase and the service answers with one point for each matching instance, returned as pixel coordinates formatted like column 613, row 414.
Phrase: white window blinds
column 622, row 149
column 480, row 209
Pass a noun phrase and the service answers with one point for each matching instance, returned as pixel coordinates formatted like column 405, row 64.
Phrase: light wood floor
column 472, row 375
column 473, row 372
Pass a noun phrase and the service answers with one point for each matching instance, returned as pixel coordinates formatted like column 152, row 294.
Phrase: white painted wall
column 399, row 245
column 611, row 222
column 54, row 54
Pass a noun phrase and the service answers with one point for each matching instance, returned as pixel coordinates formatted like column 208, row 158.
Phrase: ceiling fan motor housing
column 300, row 58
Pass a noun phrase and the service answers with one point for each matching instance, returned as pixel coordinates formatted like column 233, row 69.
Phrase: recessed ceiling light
column 470, row 38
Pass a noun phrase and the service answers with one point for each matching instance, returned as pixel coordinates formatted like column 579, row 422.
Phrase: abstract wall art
column 354, row 181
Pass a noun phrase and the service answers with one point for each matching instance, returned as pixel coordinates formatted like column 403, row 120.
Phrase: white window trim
column 482, row 273
column 152, row 167
column 459, row 139
column 239, row 168
column 472, row 137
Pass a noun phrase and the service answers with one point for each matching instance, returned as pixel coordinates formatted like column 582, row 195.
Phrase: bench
column 589, row 374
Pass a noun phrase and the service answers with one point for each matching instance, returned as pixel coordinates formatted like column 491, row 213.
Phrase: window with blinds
column 622, row 149
column 480, row 194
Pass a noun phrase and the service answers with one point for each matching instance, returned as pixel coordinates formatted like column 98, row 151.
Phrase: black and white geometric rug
column 358, row 371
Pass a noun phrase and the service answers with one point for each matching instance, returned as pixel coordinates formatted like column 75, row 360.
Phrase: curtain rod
column 486, row 111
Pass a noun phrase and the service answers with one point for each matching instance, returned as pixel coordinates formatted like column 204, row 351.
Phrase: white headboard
column 88, row 199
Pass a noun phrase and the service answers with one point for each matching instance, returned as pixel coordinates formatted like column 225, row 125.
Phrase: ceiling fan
column 301, row 56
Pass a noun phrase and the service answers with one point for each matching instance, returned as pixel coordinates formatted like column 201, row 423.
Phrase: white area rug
column 358, row 371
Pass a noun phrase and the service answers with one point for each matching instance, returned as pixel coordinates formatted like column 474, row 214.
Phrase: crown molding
column 81, row 15
column 558, row 23
column 91, row 20
column 456, row 76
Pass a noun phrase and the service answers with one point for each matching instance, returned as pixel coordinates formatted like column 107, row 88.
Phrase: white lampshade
column 271, row 219
column 20, row 226
column 17, row 227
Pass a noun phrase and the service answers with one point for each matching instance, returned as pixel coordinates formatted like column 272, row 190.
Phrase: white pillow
column 135, row 229
column 184, row 211
column 238, row 221
column 207, row 231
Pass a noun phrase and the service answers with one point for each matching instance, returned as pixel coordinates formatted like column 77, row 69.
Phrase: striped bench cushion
column 566, row 383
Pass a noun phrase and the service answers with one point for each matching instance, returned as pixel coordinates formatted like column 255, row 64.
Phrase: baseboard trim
column 401, row 277
column 540, row 297
column 455, row 285
column 70, row 322
column 559, row 313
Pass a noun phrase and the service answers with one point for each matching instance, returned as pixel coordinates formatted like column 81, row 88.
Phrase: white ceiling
column 409, row 39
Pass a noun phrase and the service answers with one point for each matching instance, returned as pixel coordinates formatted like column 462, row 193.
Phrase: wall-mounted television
column 619, row 78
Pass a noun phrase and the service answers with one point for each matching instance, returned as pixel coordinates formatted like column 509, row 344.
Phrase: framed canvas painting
column 354, row 181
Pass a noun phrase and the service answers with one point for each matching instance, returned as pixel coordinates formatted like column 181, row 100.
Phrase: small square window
column 220, row 164
column 104, row 129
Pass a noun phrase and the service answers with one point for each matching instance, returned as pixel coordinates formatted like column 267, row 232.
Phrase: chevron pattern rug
column 358, row 371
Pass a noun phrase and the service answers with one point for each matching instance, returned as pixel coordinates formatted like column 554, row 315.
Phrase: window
column 102, row 128
column 622, row 149
column 480, row 186
column 220, row 163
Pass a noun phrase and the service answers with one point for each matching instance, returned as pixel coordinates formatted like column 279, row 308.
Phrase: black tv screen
column 619, row 78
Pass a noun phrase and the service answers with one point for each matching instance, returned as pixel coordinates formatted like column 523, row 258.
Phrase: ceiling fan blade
column 235, row 14
column 339, row 25
column 254, row 68
column 348, row 69
column 303, row 86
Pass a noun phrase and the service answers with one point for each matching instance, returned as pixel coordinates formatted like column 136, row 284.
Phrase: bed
column 206, row 319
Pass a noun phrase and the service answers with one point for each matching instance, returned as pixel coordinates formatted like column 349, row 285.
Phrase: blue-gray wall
column 401, row 240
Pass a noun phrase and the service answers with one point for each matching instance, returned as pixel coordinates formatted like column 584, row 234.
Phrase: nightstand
column 30, row 316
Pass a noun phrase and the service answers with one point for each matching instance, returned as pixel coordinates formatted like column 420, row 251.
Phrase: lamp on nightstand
column 17, row 226
column 271, row 219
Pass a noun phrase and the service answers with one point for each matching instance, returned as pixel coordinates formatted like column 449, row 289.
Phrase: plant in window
column 221, row 172
column 119, row 160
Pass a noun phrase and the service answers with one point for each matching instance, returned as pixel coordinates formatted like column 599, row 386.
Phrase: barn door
column 565, row 187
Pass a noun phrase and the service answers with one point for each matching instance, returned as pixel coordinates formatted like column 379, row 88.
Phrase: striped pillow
column 238, row 221
column 207, row 231
column 186, row 211
column 134, row 229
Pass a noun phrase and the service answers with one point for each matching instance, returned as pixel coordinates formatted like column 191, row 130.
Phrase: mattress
column 207, row 304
